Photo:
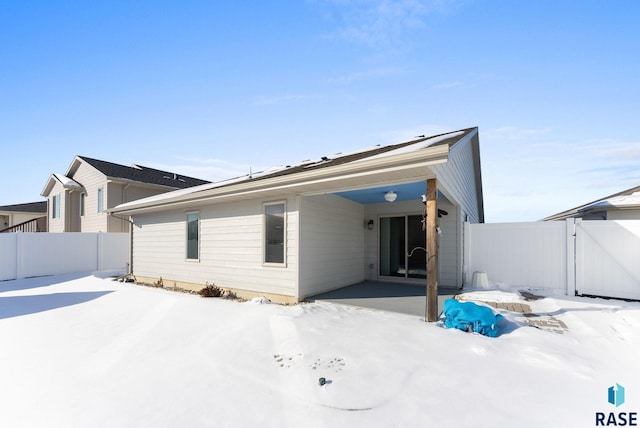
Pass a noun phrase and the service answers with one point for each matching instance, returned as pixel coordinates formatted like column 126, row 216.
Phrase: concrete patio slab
column 386, row 296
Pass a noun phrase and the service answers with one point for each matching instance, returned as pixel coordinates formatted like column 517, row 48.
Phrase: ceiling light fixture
column 390, row 196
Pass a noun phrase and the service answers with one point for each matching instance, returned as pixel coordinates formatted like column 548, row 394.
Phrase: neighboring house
column 623, row 205
column 77, row 200
column 291, row 232
column 28, row 217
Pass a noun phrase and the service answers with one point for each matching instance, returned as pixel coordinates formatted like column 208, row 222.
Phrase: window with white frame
column 274, row 232
column 82, row 196
column 193, row 236
column 100, row 200
column 55, row 206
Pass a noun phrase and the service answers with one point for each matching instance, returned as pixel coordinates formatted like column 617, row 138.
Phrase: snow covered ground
column 83, row 351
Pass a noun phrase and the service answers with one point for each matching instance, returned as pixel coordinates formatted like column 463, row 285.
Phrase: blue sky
column 212, row 88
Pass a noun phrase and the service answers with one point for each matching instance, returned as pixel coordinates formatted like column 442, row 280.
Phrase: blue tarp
column 471, row 317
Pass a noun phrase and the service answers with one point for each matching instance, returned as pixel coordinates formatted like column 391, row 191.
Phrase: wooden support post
column 432, row 251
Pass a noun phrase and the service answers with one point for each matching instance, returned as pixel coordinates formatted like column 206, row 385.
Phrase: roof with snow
column 67, row 183
column 438, row 146
column 627, row 199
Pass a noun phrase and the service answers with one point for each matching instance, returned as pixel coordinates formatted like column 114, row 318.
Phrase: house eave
column 416, row 164
column 52, row 181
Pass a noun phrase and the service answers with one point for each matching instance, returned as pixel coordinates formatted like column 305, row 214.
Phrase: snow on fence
column 24, row 255
column 600, row 258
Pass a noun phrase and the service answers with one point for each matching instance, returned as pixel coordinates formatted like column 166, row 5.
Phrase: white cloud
column 531, row 173
column 612, row 163
column 615, row 150
column 379, row 23
column 276, row 99
column 449, row 85
column 515, row 133
column 367, row 74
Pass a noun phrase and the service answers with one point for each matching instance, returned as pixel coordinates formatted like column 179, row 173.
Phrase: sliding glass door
column 402, row 247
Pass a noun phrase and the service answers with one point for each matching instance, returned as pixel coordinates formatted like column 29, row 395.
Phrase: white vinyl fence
column 24, row 255
column 599, row 258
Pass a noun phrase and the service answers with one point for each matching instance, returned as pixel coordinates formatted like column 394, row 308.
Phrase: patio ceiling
column 375, row 195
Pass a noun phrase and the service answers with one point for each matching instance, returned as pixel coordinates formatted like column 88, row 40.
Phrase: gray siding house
column 624, row 205
column 78, row 199
column 30, row 216
column 291, row 232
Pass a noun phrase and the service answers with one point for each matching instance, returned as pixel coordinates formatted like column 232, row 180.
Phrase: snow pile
column 259, row 301
column 85, row 351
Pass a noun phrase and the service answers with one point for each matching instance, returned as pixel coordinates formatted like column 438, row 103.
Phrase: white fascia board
column 366, row 167
column 66, row 182
column 48, row 186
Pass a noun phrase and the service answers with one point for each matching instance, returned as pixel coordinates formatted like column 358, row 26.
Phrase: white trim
column 82, row 204
column 284, row 234
column 186, row 237
column 100, row 199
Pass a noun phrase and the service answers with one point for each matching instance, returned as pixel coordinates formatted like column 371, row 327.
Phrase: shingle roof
column 29, row 207
column 408, row 147
column 573, row 212
column 143, row 174
column 369, row 153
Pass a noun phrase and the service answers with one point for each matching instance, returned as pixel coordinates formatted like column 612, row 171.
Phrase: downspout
column 130, row 270
column 123, row 198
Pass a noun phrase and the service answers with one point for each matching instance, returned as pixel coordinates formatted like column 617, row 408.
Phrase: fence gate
column 607, row 258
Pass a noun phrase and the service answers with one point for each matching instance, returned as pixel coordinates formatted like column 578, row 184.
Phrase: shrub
column 211, row 291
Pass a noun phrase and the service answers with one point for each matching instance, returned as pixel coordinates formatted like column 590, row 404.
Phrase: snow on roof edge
column 66, row 181
column 616, row 202
column 421, row 143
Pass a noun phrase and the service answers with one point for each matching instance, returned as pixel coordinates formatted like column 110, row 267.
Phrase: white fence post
column 8, row 258
column 466, row 252
column 571, row 256
column 579, row 255
column 20, row 254
column 99, row 250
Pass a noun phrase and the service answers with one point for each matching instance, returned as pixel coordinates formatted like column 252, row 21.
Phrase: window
column 193, row 220
column 55, row 206
column 274, row 236
column 81, row 204
column 100, row 202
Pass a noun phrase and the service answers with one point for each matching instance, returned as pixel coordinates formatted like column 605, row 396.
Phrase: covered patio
column 386, row 296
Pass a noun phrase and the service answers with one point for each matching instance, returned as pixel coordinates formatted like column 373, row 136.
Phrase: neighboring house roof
column 29, row 207
column 627, row 199
column 114, row 171
column 142, row 174
column 418, row 154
